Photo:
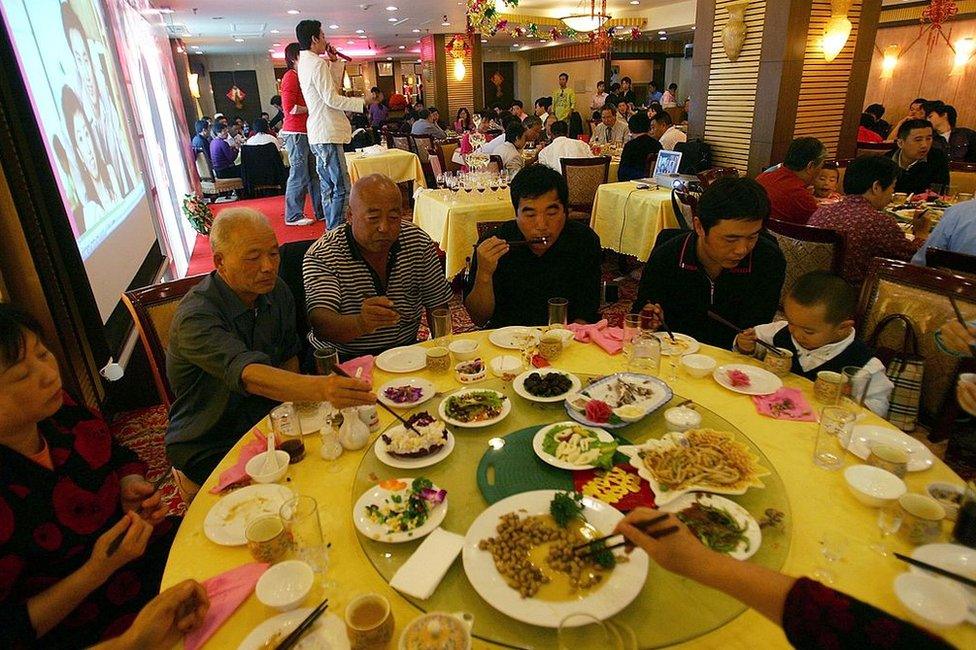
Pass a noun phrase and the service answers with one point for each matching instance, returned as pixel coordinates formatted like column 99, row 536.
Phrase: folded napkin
column 608, row 338
column 424, row 570
column 785, row 404
column 236, row 474
column 365, row 362
column 374, row 150
column 226, row 593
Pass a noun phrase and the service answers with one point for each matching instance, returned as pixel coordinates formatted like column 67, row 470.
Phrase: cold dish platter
column 682, row 344
column 474, row 408
column 721, row 524
column 568, row 445
column 545, row 385
column 428, row 443
column 405, row 393
column 618, row 400
column 400, row 510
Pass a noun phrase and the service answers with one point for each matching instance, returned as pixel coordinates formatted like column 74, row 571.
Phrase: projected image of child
column 98, row 190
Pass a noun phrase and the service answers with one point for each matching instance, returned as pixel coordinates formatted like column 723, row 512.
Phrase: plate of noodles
column 698, row 460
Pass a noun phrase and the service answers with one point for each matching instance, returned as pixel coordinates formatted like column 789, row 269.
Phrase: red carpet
column 273, row 207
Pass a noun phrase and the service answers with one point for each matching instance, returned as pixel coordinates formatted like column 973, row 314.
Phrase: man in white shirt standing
column 328, row 127
column 610, row 129
column 663, row 128
column 562, row 147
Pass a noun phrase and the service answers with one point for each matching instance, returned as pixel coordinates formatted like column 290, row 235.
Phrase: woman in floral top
column 66, row 492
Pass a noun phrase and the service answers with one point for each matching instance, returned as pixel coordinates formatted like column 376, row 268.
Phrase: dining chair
column 921, row 294
column 401, row 141
column 584, row 176
column 874, row 148
column 262, row 169
column 806, row 249
column 939, row 258
column 962, row 177
column 212, row 186
column 709, row 176
column 684, row 203
column 649, row 163
column 444, row 151
column 421, row 145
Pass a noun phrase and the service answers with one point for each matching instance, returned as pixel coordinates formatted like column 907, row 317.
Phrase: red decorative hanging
column 936, row 15
column 237, row 96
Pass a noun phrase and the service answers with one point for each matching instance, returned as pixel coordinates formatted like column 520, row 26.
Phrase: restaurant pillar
column 762, row 76
column 448, row 87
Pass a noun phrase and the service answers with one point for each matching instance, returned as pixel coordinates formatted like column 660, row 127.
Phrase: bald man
column 233, row 350
column 367, row 281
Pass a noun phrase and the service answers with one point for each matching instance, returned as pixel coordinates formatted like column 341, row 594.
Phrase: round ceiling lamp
column 585, row 22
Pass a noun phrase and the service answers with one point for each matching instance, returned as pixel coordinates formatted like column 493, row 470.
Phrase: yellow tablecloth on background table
column 628, row 220
column 397, row 164
column 451, row 219
column 818, row 499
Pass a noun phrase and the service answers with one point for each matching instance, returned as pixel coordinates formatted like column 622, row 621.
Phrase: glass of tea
column 287, row 428
column 369, row 622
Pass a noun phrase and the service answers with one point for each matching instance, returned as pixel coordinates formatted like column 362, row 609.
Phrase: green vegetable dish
column 577, row 445
column 715, row 527
column 406, row 510
column 476, row 406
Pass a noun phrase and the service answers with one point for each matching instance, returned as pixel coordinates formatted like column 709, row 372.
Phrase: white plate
column 226, row 520
column 515, row 337
column 328, row 632
column 377, row 496
column 762, row 381
column 406, row 359
column 951, row 557
column 540, row 437
column 919, row 457
column 740, row 514
column 413, row 463
column 668, row 348
column 506, row 409
column 518, row 385
column 597, row 390
column 427, row 391
column 623, row 585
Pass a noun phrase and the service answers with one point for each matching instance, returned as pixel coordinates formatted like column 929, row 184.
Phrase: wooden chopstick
column 962, row 321
column 969, row 582
column 296, row 634
column 644, row 525
column 772, row 348
column 667, row 329
column 342, row 373
column 657, row 534
column 117, row 542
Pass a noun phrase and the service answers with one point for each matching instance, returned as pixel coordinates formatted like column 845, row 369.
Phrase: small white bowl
column 951, row 508
column 682, row 418
column 930, row 600
column 698, row 365
column 464, row 349
column 506, row 367
column 256, row 464
column 874, row 486
column 285, row 585
column 470, row 377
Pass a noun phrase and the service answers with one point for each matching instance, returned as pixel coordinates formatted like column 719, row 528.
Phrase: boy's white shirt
column 880, row 388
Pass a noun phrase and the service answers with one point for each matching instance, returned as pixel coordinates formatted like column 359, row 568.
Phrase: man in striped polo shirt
column 366, row 281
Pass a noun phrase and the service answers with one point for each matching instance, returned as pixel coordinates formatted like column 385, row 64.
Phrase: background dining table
column 399, row 165
column 628, row 220
column 816, row 501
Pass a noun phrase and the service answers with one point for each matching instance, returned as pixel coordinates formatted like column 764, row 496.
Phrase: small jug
column 354, row 433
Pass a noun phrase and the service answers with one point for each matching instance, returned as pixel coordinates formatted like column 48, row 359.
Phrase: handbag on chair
column 904, row 367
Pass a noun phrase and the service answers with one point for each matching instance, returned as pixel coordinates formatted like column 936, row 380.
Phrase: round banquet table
column 814, row 500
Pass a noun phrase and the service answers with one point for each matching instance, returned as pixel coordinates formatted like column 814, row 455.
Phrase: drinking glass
column 326, row 359
column 631, row 329
column 441, row 325
column 645, row 355
column 301, row 518
column 833, row 548
column 558, row 312
column 585, row 631
column 833, row 435
column 889, row 521
column 287, row 428
column 857, row 381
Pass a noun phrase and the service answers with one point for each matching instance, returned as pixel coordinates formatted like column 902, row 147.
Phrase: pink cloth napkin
column 365, row 362
column 226, row 592
column 608, row 338
column 785, row 404
column 236, row 474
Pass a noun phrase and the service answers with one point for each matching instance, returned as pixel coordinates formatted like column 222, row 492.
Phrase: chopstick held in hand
column 342, row 373
column 962, row 321
column 718, row 319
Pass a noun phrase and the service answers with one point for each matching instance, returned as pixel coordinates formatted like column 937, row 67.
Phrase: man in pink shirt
column 789, row 198
column 302, row 178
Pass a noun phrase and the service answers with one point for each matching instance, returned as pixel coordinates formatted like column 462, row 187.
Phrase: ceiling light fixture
column 445, row 22
column 166, row 10
column 360, row 31
column 392, row 8
column 294, row 12
column 333, row 26
column 276, row 45
column 415, row 30
column 389, row 58
column 275, row 31
column 238, row 40
column 585, row 22
column 271, row 51
column 635, row 2
column 662, row 33
column 401, row 47
column 392, row 19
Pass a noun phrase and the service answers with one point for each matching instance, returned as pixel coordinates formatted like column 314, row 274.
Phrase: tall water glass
column 580, row 630
column 558, row 312
column 645, row 355
column 836, row 425
column 300, row 516
column 326, row 359
column 631, row 329
column 440, row 326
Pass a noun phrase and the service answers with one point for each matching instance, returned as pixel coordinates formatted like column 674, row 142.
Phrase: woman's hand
column 140, row 496
column 164, row 619
column 136, row 533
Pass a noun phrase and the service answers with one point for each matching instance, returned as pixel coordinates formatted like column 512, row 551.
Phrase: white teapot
column 354, row 433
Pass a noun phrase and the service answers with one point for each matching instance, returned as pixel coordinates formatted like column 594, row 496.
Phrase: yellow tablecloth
column 452, row 220
column 397, row 164
column 628, row 220
column 614, row 168
column 819, row 501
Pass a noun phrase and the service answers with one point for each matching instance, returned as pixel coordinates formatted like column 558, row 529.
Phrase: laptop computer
column 666, row 169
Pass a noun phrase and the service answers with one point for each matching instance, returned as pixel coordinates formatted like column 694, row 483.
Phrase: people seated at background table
column 958, row 143
column 425, row 125
column 955, row 232
column 633, row 158
column 610, row 129
column 665, row 132
column 819, row 332
column 670, row 97
column 575, row 125
column 512, row 284
column 923, row 167
column 367, row 282
column 546, row 133
column 462, row 121
column 379, row 112
column 612, row 99
column 825, row 184
column 260, row 135
column 866, row 133
column 868, row 231
column 653, row 93
column 916, row 111
column 542, row 106
column 201, row 139
column 509, row 147
column 223, row 157
column 626, row 93
column 811, row 614
column 563, row 99
column 233, row 350
column 67, row 491
column 623, row 112
column 787, row 184
column 879, row 126
column 599, row 99
column 533, row 129
column 723, row 265
column 561, row 147
column 277, row 121
column 518, row 111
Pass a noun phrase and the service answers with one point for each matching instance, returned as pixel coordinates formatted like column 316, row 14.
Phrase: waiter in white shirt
column 562, row 147
column 328, row 127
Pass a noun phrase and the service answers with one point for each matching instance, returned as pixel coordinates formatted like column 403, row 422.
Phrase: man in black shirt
column 626, row 93
column 633, row 159
column 923, row 167
column 511, row 282
column 725, row 266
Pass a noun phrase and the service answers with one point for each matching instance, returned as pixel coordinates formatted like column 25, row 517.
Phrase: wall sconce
column 889, row 59
column 837, row 30
column 964, row 51
column 194, row 80
column 458, row 48
column 459, row 69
